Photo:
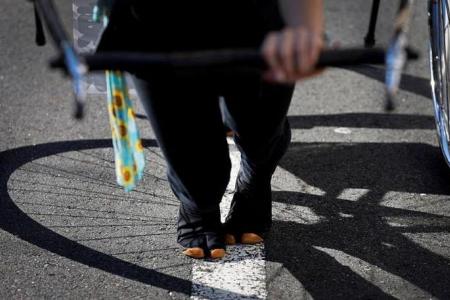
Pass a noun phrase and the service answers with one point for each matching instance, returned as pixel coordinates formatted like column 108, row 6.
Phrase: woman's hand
column 292, row 54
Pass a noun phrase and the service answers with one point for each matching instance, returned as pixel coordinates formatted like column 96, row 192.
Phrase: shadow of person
column 363, row 228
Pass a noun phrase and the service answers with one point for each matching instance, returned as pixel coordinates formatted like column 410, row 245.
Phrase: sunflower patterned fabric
column 128, row 149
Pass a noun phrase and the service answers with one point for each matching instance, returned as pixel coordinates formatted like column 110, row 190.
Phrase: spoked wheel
column 439, row 64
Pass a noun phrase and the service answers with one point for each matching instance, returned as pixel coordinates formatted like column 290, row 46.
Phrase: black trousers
column 187, row 118
column 184, row 108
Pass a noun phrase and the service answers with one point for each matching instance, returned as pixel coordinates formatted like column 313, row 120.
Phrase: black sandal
column 250, row 215
column 201, row 233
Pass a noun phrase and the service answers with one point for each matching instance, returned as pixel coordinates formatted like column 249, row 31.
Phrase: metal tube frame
column 438, row 9
column 369, row 40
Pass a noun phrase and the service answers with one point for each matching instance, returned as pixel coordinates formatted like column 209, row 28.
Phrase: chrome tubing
column 438, row 26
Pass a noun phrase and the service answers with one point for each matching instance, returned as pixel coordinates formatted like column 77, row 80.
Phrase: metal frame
column 369, row 40
column 439, row 64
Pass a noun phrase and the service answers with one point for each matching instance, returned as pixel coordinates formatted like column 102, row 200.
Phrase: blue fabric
column 128, row 149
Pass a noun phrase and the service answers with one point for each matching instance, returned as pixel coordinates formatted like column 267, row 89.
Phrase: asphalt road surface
column 361, row 200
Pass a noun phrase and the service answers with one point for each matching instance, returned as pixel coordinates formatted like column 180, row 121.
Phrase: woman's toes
column 194, row 252
column 230, row 239
column 217, row 253
column 251, row 238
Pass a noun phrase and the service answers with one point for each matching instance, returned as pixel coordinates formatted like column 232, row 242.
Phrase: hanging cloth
column 128, row 149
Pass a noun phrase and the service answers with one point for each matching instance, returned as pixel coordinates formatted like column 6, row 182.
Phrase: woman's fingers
column 291, row 54
column 287, row 52
column 270, row 53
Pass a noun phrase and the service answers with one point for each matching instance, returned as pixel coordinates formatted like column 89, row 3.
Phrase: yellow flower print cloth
column 128, row 149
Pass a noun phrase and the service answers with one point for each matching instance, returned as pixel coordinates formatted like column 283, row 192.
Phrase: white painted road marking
column 241, row 272
column 342, row 130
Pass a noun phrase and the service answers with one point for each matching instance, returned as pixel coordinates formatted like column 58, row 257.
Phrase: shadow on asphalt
column 362, row 228
column 363, row 120
column 410, row 83
column 21, row 225
column 358, row 120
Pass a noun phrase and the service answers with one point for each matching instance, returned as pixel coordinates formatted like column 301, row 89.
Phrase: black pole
column 40, row 36
column 247, row 58
column 369, row 40
column 52, row 21
column 74, row 64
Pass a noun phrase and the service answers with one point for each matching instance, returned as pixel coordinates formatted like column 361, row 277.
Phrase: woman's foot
column 230, row 239
column 195, row 252
column 250, row 215
column 247, row 238
column 199, row 253
column 251, row 238
column 201, row 232
column 217, row 253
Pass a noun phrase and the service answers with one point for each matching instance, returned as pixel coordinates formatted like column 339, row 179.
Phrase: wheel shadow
column 363, row 228
column 16, row 222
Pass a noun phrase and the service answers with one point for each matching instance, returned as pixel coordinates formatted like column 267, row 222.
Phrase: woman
column 254, row 107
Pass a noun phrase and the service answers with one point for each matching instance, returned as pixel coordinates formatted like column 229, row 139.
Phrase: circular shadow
column 20, row 224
